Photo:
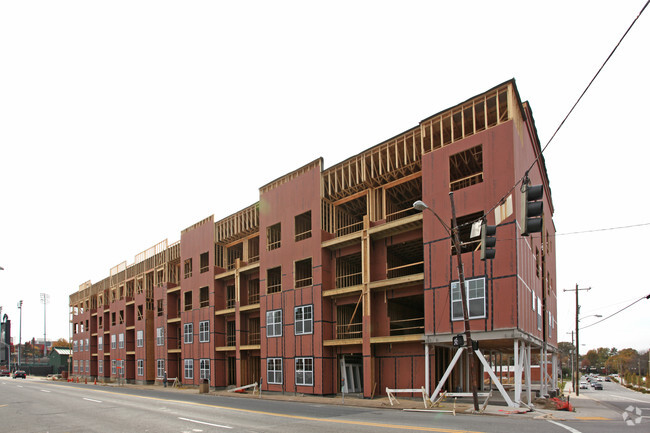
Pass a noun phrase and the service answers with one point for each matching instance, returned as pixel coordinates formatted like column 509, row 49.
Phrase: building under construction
column 333, row 281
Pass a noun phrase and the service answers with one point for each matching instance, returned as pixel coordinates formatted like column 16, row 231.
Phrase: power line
column 622, row 309
column 503, row 199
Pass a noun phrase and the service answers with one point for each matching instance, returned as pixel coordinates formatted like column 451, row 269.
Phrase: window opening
column 303, row 273
column 303, row 226
column 273, row 237
column 274, row 280
column 466, row 168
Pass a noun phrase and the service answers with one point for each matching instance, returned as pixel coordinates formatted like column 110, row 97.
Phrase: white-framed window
column 87, row 365
column 475, row 291
column 274, row 323
column 303, row 320
column 121, row 340
column 160, row 336
column 140, row 364
column 87, row 344
column 113, row 367
column 189, row 369
column 204, row 331
column 113, row 341
column 188, row 333
column 100, row 366
column 160, row 367
column 274, row 370
column 305, row 371
column 100, row 343
column 140, row 338
column 75, row 344
column 539, row 313
column 74, row 366
column 204, row 368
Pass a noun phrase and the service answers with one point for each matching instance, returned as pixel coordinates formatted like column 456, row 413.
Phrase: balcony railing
column 407, row 326
column 409, row 269
column 348, row 280
column 349, row 330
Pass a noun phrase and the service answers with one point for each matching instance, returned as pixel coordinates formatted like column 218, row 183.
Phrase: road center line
column 571, row 429
column 45, row 390
column 90, row 399
column 628, row 398
column 203, row 422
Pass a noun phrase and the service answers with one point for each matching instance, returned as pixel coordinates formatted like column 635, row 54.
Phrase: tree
column 61, row 342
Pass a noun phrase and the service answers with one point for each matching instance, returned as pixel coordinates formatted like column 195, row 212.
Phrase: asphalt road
column 36, row 405
column 622, row 400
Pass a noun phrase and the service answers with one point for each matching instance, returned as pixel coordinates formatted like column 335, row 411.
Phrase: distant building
column 332, row 279
column 58, row 359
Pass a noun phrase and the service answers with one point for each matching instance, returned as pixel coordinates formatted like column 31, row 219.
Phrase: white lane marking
column 571, row 429
column 20, row 386
column 202, row 422
column 45, row 390
column 628, row 398
column 90, row 399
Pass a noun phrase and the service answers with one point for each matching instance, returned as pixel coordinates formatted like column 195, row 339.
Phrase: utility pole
column 573, row 375
column 461, row 278
column 577, row 333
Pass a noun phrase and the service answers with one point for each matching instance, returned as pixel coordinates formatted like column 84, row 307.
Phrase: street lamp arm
column 421, row 206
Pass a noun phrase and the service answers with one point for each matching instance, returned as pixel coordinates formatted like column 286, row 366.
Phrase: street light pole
column 461, row 279
column 455, row 238
column 45, row 298
column 20, row 329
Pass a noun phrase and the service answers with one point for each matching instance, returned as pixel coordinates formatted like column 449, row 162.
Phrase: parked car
column 5, row 373
column 584, row 385
column 598, row 386
column 607, row 379
column 20, row 373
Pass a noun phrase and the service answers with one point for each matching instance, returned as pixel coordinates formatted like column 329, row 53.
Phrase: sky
column 124, row 122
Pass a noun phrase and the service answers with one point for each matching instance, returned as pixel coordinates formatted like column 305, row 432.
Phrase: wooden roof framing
column 382, row 164
column 238, row 225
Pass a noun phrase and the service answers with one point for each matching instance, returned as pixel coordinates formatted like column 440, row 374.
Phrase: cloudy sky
column 124, row 122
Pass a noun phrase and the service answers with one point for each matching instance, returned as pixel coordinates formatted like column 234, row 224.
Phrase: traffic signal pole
column 461, row 278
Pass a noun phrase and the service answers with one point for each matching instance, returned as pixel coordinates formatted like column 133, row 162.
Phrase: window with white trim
column 75, row 344
column 204, row 331
column 160, row 336
column 160, row 367
column 189, row 369
column 188, row 334
column 121, row 340
column 100, row 343
column 305, row 371
column 87, row 365
column 87, row 344
column 274, row 370
column 303, row 320
column 100, row 367
column 113, row 341
column 140, row 364
column 204, row 368
column 274, row 323
column 113, row 367
column 539, row 313
column 140, row 338
column 74, row 366
column 475, row 291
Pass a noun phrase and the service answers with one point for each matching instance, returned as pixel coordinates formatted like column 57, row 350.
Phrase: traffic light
column 488, row 241
column 531, row 209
